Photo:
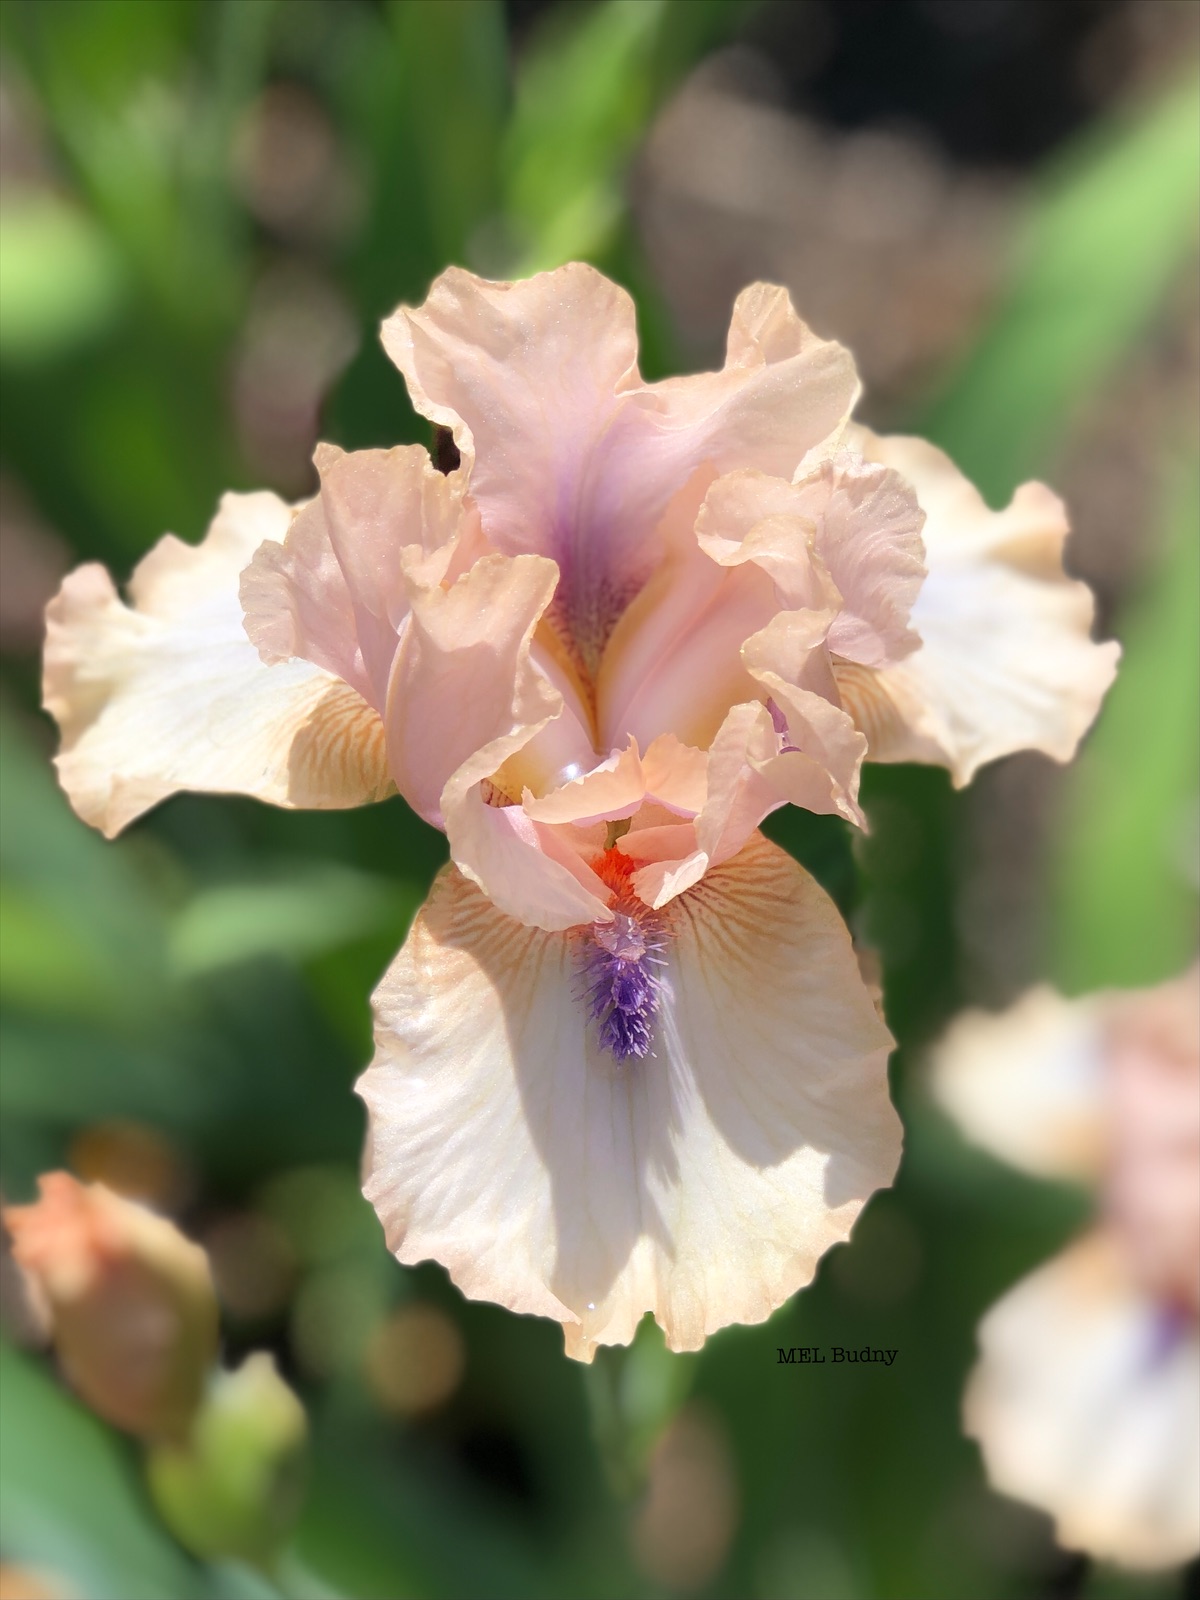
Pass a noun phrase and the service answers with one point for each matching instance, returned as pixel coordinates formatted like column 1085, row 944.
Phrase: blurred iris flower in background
column 1087, row 1397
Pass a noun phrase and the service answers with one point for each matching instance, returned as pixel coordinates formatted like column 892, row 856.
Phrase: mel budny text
column 803, row 1355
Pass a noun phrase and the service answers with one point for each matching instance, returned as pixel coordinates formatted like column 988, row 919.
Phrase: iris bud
column 131, row 1302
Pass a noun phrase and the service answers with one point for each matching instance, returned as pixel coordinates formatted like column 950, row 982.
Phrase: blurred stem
column 610, row 1427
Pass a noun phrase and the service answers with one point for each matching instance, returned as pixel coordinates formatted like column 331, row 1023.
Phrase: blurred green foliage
column 208, row 976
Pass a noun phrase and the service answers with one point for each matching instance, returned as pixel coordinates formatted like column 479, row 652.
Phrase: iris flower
column 1086, row 1399
column 625, row 1060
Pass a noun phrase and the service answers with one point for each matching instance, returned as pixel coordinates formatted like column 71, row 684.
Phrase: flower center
column 618, row 961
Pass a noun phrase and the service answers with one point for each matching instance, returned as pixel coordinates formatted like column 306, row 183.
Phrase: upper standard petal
column 570, row 454
column 335, row 592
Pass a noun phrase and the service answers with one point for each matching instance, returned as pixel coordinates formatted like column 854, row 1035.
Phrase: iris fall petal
column 1006, row 660
column 169, row 694
column 701, row 1183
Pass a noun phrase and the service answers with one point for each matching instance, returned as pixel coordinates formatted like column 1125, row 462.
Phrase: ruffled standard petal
column 1029, row 1084
column 1006, row 661
column 169, row 694
column 335, row 590
column 701, row 1183
column 465, row 702
column 463, row 685
column 570, row 454
column 1086, row 1403
column 846, row 536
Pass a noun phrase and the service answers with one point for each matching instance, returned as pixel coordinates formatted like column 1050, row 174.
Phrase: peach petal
column 869, row 539
column 702, row 1184
column 658, row 882
column 528, row 872
column 666, row 842
column 845, row 537
column 611, row 790
column 676, row 774
column 297, row 606
column 462, row 683
column 169, row 694
column 336, row 591
column 1028, row 1084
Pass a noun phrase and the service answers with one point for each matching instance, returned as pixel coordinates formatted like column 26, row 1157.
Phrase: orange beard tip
column 615, row 868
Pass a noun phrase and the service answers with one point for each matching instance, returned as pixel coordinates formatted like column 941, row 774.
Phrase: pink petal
column 570, row 455
column 336, row 592
column 1028, row 1084
column 462, row 682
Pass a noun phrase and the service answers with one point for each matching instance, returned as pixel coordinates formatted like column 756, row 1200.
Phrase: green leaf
column 70, row 1502
column 587, row 86
column 62, row 281
column 318, row 910
column 1126, row 880
column 1113, row 224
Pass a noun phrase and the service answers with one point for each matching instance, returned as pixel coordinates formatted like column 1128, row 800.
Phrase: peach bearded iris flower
column 1086, row 1400
column 625, row 1060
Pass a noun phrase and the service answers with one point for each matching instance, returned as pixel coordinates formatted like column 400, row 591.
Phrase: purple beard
column 622, row 991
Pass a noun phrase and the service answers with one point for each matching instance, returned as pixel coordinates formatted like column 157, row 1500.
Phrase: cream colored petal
column 676, row 774
column 702, row 1183
column 1086, row 1403
column 336, row 591
column 1029, row 1084
column 169, row 694
column 612, row 789
column 1006, row 661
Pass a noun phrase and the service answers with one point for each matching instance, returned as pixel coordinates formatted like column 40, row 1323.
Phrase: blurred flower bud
column 233, row 1487
column 20, row 1583
column 131, row 1301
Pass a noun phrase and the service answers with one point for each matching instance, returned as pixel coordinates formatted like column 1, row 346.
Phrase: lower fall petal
column 169, row 693
column 701, row 1181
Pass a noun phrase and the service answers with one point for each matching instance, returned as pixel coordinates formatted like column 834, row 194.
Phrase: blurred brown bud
column 19, row 1583
column 131, row 1302
column 685, row 1525
column 414, row 1360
